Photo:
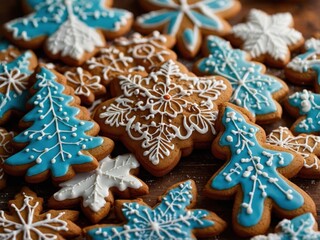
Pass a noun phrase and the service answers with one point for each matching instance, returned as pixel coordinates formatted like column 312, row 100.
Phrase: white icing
column 27, row 224
column 85, row 84
column 166, row 93
column 5, row 139
column 93, row 187
column 264, row 34
column 304, row 145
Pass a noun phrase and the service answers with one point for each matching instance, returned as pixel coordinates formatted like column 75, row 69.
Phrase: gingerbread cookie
column 7, row 51
column 26, row 220
column 267, row 38
column 304, row 68
column 160, row 116
column 14, row 84
column 6, row 150
column 70, row 30
column 60, row 138
column 303, row 227
column 95, row 189
column 126, row 55
column 187, row 20
column 252, row 88
column 254, row 174
column 172, row 218
column 307, row 145
column 305, row 105
column 86, row 86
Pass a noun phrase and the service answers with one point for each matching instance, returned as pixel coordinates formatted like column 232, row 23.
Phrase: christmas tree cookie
column 172, row 218
column 59, row 136
column 254, row 174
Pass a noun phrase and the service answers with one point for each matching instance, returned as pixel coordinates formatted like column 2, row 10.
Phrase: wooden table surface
column 200, row 165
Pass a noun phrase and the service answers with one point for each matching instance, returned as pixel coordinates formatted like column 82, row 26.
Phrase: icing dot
column 229, row 138
column 53, row 160
column 38, row 160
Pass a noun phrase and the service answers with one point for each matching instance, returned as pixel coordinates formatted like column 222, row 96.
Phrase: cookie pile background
column 201, row 165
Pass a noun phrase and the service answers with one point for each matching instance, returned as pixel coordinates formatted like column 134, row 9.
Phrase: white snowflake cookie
column 267, row 38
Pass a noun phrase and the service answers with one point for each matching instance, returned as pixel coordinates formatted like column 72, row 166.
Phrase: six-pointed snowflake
column 69, row 25
column 254, row 168
column 95, row 188
column 252, row 89
column 27, row 222
column 162, row 109
column 268, row 35
column 308, row 146
column 299, row 228
column 201, row 16
column 170, row 219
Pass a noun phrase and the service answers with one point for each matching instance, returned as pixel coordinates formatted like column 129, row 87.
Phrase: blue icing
column 54, row 123
column 4, row 45
column 14, row 93
column 206, row 21
column 308, row 104
column 49, row 16
column 169, row 220
column 188, row 36
column 251, row 89
column 254, row 168
column 158, row 18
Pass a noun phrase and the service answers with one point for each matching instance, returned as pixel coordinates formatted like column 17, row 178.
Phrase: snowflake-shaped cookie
column 305, row 68
column 307, row 145
column 96, row 188
column 14, row 84
column 187, row 20
column 252, row 88
column 172, row 218
column 71, row 29
column 136, row 53
column 6, row 150
column 303, row 227
column 60, row 137
column 250, row 174
column 85, row 86
column 305, row 105
column 25, row 220
column 268, row 38
column 155, row 115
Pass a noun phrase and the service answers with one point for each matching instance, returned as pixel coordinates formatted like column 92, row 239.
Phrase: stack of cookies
column 79, row 78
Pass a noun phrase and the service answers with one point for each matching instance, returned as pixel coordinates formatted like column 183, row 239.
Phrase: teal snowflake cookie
column 14, row 82
column 187, row 20
column 251, row 174
column 303, row 227
column 305, row 68
column 59, row 138
column 252, row 88
column 172, row 218
column 70, row 29
column 305, row 105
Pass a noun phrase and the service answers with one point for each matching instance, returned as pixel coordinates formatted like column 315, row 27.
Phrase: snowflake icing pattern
column 252, row 89
column 264, row 34
column 305, row 145
column 46, row 226
column 300, row 227
column 14, row 78
column 166, row 93
column 308, row 104
column 203, row 15
column 76, row 19
column 169, row 220
column 54, row 121
column 254, row 168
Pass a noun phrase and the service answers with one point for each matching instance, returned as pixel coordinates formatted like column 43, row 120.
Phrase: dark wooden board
column 200, row 165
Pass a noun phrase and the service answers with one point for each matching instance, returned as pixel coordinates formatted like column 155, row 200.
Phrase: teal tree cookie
column 252, row 88
column 14, row 83
column 187, row 20
column 56, row 139
column 306, row 104
column 302, row 227
column 172, row 218
column 71, row 29
column 251, row 173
